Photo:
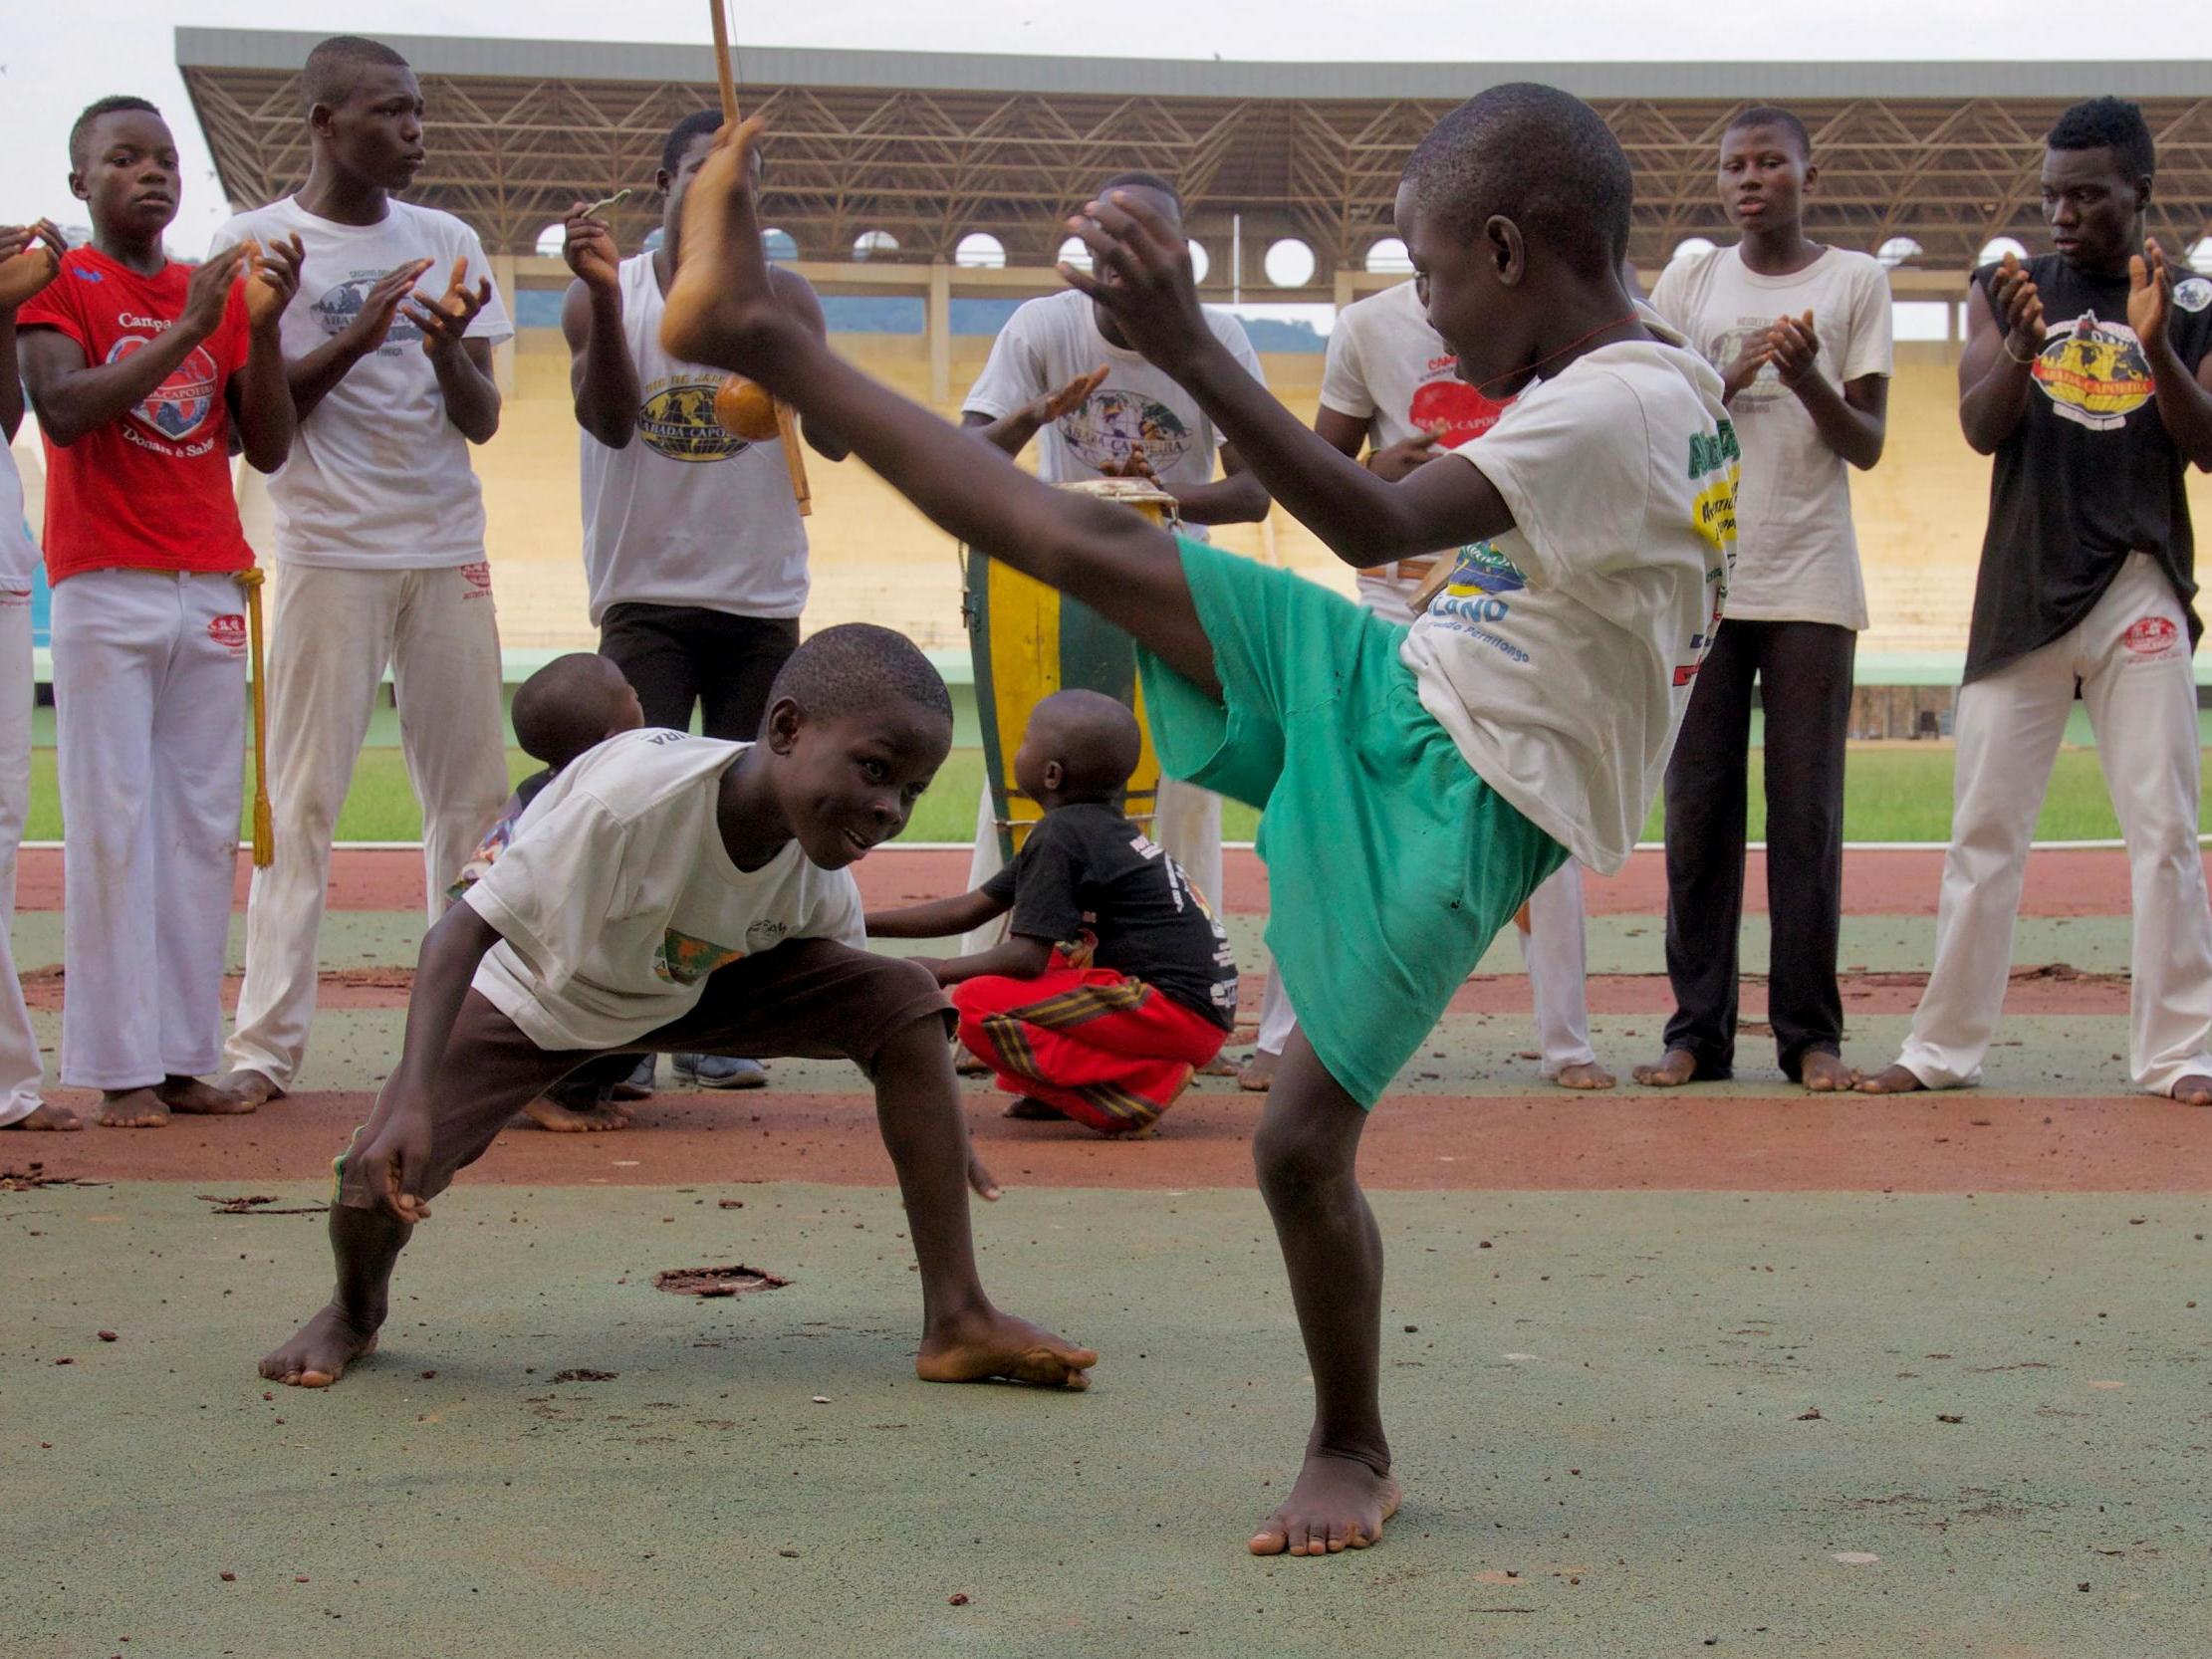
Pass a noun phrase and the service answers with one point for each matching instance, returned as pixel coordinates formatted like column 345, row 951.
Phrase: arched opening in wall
column 979, row 250
column 874, row 244
column 1389, row 258
column 2200, row 257
column 1200, row 263
column 1690, row 247
column 551, row 239
column 780, row 245
column 1074, row 252
column 1897, row 251
column 1289, row 263
column 1998, row 247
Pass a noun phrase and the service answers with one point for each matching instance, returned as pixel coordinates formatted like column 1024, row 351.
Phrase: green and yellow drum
column 1030, row 641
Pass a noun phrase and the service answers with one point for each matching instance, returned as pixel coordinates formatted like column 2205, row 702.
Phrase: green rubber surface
column 1602, row 1422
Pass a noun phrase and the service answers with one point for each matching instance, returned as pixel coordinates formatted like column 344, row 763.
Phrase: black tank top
column 2090, row 475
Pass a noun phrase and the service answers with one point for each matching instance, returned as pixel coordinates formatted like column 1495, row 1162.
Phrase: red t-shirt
column 151, row 490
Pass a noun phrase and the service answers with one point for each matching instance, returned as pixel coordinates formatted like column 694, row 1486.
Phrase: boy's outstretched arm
column 1017, row 956
column 937, row 918
column 396, row 1140
column 1364, row 519
column 721, row 310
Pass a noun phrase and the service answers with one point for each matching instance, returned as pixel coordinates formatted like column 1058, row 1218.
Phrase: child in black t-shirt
column 1114, row 982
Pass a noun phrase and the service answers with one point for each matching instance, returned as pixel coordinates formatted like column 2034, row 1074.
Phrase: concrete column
column 502, row 356
column 937, row 323
column 1341, row 294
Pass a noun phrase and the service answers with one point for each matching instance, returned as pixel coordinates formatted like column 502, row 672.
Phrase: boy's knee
column 1294, row 1165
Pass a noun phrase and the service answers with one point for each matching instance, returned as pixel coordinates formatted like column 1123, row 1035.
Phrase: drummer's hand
column 1141, row 273
column 1137, row 464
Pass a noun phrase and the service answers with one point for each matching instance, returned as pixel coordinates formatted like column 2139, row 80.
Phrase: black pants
column 1803, row 671
column 676, row 655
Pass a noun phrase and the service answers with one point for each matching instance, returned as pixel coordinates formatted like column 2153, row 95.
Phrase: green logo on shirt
column 1711, row 451
column 685, row 960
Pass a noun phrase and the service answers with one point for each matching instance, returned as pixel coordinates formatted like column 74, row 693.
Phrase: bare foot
column 995, row 1345
column 1219, row 1068
column 551, row 1114
column 981, row 1181
column 1337, row 1504
column 2194, row 1092
column 1258, row 1075
column 1824, row 1074
column 319, row 1354
column 197, row 1099
column 720, row 309
column 1583, row 1073
column 47, row 1115
column 255, row 1088
column 1030, row 1109
column 132, row 1109
column 1890, row 1080
column 1677, row 1068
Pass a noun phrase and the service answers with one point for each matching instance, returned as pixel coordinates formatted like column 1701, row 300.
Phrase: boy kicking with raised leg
column 1526, row 716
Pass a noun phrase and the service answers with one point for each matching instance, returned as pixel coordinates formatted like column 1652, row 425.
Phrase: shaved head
column 336, row 65
column 572, row 703
column 1095, row 739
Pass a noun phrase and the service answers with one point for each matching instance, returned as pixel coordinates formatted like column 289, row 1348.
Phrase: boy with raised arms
column 1418, row 784
column 380, row 528
column 144, row 371
column 668, row 892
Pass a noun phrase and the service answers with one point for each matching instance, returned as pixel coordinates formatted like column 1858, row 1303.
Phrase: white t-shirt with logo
column 617, row 897
column 19, row 554
column 379, row 478
column 685, row 513
column 1561, row 656
column 1388, row 368
column 1797, row 552
column 1048, row 343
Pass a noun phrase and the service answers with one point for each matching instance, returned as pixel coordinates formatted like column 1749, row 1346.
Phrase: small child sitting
column 571, row 704
column 1114, row 982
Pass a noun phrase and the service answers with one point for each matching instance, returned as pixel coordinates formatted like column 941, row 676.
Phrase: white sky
column 56, row 58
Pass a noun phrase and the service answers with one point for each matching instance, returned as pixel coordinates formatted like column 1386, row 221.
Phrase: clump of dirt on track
column 738, row 1281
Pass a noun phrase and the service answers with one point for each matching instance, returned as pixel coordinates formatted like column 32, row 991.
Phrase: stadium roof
column 929, row 147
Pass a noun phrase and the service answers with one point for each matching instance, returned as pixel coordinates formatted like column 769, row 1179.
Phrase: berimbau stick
column 787, row 427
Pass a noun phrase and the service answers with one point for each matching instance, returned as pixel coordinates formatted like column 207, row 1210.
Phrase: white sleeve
column 229, row 234
column 1343, row 378
column 1867, row 349
column 1239, row 342
column 1667, row 300
column 1013, row 375
column 1574, row 463
column 839, row 914
column 493, row 322
column 558, row 885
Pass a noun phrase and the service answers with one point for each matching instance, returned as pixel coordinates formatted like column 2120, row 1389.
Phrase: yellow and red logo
column 2094, row 373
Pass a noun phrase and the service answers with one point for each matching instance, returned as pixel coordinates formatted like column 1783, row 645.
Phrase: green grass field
column 1892, row 794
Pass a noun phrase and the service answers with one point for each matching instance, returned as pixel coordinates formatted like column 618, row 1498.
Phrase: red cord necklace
column 1530, row 368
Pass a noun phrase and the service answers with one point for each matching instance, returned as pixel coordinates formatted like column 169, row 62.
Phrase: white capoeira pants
column 332, row 634
column 1188, row 827
column 149, row 703
column 20, row 1071
column 2130, row 656
column 1550, row 950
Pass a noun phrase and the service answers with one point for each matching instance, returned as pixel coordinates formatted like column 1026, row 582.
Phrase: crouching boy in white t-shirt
column 671, row 892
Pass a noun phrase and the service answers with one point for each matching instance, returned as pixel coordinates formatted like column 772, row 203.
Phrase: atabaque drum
column 1030, row 641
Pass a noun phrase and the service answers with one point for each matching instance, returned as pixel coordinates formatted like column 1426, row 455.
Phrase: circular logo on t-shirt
column 2094, row 373
column 176, row 407
column 677, row 420
column 1112, row 425
column 339, row 305
column 2193, row 294
column 1454, row 410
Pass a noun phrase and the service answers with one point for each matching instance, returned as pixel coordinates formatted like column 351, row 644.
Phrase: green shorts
column 1392, row 865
